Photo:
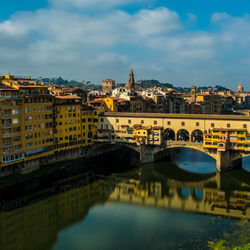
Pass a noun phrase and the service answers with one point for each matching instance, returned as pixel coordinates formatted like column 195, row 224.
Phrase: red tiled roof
column 96, row 101
column 68, row 97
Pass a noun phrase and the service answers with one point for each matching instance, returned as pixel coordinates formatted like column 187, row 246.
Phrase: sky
column 184, row 42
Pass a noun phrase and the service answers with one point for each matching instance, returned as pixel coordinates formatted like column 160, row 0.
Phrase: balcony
column 7, row 125
column 6, row 135
column 6, row 116
column 9, row 96
column 7, row 144
column 12, row 151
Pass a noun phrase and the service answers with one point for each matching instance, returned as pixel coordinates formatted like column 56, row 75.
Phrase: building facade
column 36, row 124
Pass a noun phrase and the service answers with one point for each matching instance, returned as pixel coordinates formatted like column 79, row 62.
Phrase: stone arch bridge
column 177, row 131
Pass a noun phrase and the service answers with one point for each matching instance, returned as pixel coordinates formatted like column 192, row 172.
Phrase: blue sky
column 180, row 41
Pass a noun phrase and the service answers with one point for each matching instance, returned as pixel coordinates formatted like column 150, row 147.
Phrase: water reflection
column 41, row 207
column 200, row 163
column 246, row 163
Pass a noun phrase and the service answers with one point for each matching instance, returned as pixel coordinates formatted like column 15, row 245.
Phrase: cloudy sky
column 184, row 42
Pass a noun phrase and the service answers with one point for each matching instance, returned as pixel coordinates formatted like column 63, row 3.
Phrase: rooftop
column 178, row 116
column 68, row 97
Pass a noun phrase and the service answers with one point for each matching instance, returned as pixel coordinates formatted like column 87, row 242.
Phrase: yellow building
column 223, row 139
column 115, row 104
column 11, row 104
column 27, row 121
column 67, row 131
column 90, row 123
column 136, row 104
column 35, row 124
column 147, row 135
column 209, row 103
column 110, row 104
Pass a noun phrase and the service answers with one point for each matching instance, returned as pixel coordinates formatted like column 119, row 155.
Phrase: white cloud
column 86, row 4
column 218, row 17
column 157, row 21
column 80, row 45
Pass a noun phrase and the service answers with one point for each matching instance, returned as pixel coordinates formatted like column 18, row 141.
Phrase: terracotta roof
column 96, row 101
column 178, row 116
column 112, row 97
column 68, row 97
column 122, row 100
column 32, row 86
column 57, row 90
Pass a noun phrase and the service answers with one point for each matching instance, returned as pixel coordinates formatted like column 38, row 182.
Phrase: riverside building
column 36, row 124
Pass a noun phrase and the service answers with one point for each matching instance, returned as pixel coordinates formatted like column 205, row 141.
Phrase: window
column 15, row 111
column 101, row 119
column 182, row 123
column 15, row 121
column 228, row 125
column 17, row 138
column 29, row 136
column 169, row 123
column 244, row 125
column 142, row 121
column 129, row 121
column 17, row 129
column 155, row 122
column 197, row 124
column 212, row 125
column 117, row 120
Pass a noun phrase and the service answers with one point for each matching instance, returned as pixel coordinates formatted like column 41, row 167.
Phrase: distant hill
column 141, row 84
column 60, row 81
column 151, row 83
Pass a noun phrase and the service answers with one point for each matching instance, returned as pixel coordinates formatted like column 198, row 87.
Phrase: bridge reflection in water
column 34, row 211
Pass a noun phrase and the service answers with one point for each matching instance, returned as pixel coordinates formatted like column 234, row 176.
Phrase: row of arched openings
column 183, row 135
column 184, row 193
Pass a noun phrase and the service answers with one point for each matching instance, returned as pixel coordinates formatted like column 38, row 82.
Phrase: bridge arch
column 197, row 194
column 197, row 136
column 183, row 135
column 169, row 135
column 183, row 193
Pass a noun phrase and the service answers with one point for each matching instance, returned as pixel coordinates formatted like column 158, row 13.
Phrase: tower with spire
column 131, row 81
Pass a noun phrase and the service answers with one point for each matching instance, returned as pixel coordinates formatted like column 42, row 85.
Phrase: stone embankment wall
column 106, row 156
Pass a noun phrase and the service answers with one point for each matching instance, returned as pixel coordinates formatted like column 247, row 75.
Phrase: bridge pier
column 228, row 160
column 148, row 153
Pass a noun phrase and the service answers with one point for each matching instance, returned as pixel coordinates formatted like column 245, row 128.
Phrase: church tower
column 131, row 81
column 193, row 94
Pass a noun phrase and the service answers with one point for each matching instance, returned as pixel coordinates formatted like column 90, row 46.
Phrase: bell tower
column 131, row 81
column 193, row 94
